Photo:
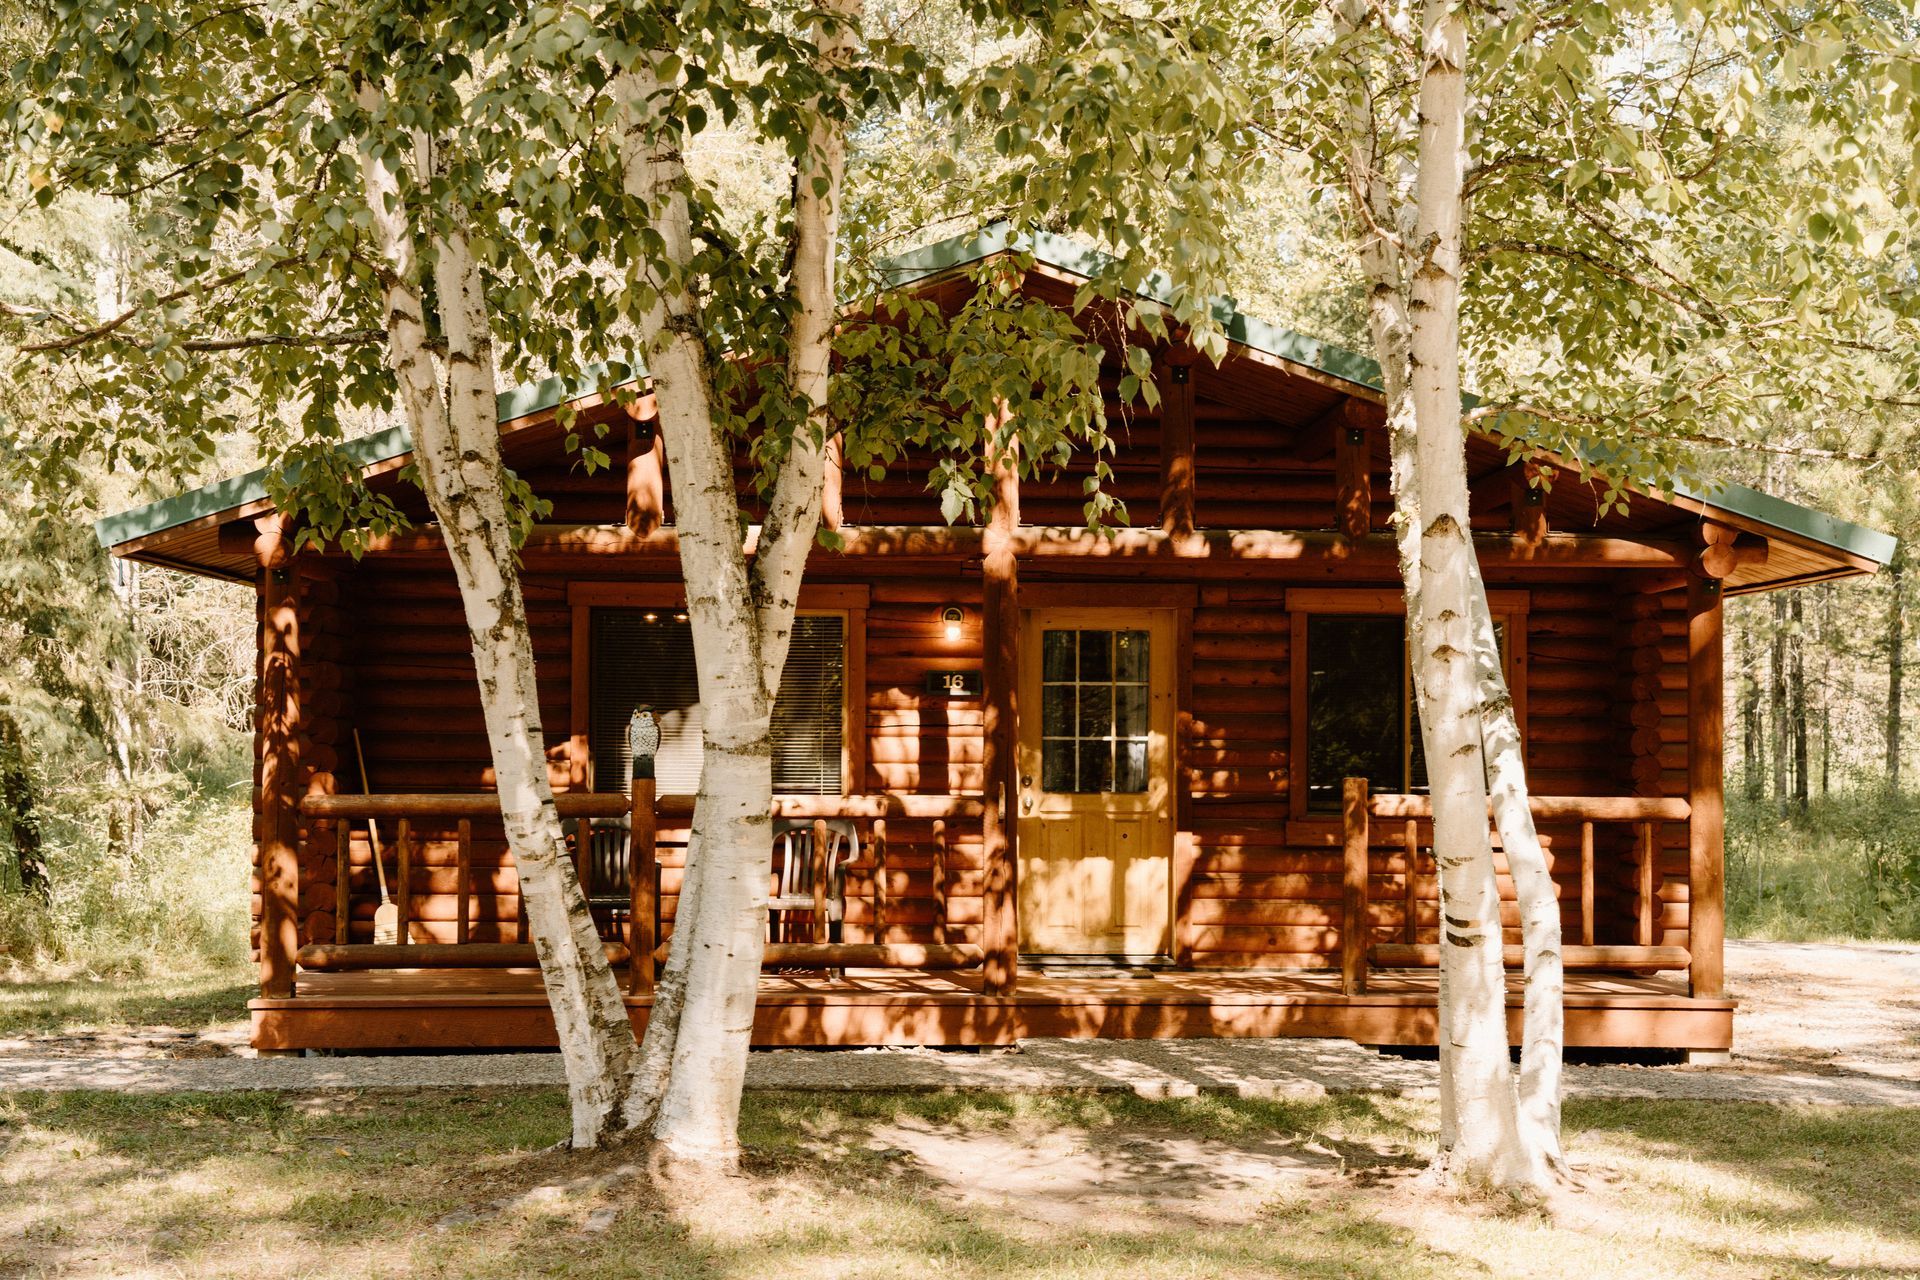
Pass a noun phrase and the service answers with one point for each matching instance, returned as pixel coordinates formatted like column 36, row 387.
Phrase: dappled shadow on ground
column 858, row 1185
column 170, row 1015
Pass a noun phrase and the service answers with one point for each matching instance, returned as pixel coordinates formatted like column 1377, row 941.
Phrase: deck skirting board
column 508, row 1010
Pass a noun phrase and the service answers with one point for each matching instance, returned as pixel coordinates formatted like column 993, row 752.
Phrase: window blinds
column 646, row 657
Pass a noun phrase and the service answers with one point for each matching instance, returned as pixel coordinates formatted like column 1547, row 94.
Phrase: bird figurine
column 643, row 740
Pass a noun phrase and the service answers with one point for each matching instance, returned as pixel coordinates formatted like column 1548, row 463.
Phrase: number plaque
column 954, row 684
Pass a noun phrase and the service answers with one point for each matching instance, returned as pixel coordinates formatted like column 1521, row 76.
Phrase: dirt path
column 1818, row 1024
column 1838, row 1010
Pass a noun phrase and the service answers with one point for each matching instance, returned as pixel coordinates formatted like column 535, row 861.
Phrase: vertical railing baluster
column 1586, row 883
column 463, row 863
column 342, row 879
column 1409, row 927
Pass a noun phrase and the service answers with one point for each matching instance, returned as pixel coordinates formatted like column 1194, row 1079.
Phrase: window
column 1360, row 717
column 1094, row 711
column 645, row 656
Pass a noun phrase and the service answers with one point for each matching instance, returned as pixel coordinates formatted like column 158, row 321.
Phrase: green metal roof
column 367, row 450
column 1061, row 254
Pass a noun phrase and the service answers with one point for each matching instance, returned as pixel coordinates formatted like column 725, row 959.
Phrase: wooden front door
column 1096, row 781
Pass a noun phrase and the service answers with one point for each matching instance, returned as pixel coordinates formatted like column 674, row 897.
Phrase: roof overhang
column 1847, row 549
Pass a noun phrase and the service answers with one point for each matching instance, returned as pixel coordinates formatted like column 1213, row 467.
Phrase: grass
column 843, row 1186
column 1848, row 869
column 190, row 1001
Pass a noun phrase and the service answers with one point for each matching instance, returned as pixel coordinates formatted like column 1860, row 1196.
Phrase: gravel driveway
column 1817, row 1024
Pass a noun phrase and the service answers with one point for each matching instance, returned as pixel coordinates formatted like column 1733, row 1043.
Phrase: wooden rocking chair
column 809, row 902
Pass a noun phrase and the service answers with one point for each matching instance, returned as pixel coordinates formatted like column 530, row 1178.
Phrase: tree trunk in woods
column 16, row 796
column 694, row 1054
column 1896, row 664
column 1466, row 715
column 1777, row 702
column 456, row 437
column 1824, row 688
column 1797, row 690
column 1753, row 766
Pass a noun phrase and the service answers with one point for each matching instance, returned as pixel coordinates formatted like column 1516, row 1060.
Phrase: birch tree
column 1621, row 223
column 392, row 209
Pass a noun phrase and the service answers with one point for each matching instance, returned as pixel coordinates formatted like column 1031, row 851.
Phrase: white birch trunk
column 1465, row 707
column 1543, row 1016
column 695, row 1051
column 457, row 449
column 1473, row 1034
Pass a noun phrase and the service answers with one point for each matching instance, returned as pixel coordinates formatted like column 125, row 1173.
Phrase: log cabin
column 1154, row 784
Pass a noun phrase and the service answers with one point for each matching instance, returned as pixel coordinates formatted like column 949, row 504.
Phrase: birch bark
column 693, row 1058
column 457, row 450
column 1469, row 733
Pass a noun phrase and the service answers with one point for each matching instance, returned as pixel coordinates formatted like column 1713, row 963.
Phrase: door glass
column 1094, row 711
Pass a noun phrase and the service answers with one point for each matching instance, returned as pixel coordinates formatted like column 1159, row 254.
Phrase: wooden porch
column 858, row 989
column 506, row 1008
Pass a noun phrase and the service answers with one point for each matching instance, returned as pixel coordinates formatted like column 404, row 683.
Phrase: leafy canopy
column 233, row 135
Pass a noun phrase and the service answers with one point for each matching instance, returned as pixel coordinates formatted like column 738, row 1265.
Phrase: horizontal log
column 1576, row 808
column 342, row 956
column 1426, row 955
column 864, row 955
column 607, row 804
column 476, row 804
column 1231, row 545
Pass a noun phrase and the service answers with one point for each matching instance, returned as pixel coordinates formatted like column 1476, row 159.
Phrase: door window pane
column 1094, row 711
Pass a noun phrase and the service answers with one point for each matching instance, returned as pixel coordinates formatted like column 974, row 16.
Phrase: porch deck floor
column 507, row 1008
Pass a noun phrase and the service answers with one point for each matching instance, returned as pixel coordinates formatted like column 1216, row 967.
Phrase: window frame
column 848, row 602
column 1507, row 606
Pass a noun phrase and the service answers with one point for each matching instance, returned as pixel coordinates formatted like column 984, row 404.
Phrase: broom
column 386, row 916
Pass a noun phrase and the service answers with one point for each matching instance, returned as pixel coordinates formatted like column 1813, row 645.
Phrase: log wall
column 1259, row 886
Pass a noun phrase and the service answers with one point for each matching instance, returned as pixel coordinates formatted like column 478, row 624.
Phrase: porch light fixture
column 950, row 619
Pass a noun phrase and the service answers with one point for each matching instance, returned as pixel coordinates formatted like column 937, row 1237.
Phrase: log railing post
column 1355, row 930
column 642, row 861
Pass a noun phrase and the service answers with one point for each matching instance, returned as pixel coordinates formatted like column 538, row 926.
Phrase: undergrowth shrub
column 1848, row 868
column 173, row 899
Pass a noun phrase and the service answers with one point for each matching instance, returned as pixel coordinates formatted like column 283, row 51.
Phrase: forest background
column 126, row 690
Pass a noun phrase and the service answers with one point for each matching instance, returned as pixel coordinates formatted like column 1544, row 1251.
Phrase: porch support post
column 1175, row 379
column 1000, row 623
column 1528, row 515
column 1353, row 470
column 1706, row 836
column 1355, row 931
column 832, row 486
column 646, row 473
column 279, row 730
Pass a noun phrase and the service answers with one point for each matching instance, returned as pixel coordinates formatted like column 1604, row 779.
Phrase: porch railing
column 1393, row 822
column 637, row 940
